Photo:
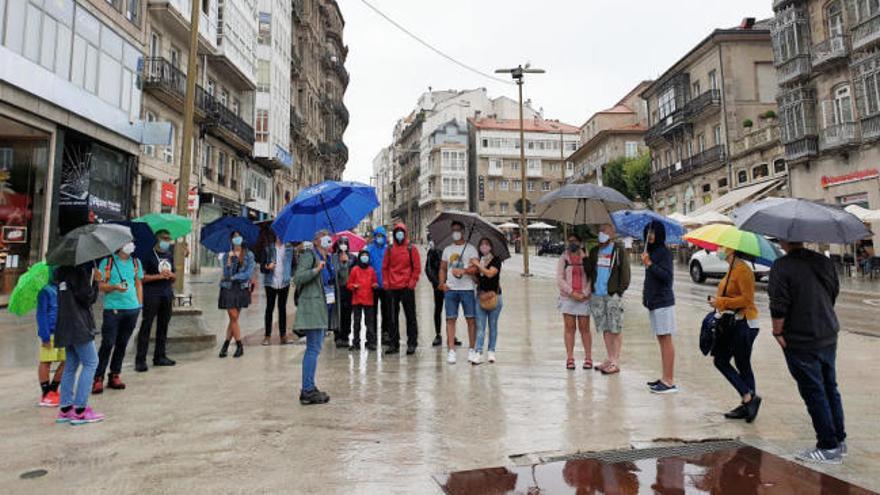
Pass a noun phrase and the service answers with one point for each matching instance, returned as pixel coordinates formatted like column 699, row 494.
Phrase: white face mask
column 326, row 241
column 456, row 235
column 343, row 247
column 603, row 237
column 128, row 248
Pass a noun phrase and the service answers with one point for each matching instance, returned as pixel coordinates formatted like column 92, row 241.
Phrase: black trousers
column 344, row 327
column 278, row 296
column 382, row 305
column 439, row 296
column 115, row 331
column 369, row 315
column 407, row 298
column 155, row 308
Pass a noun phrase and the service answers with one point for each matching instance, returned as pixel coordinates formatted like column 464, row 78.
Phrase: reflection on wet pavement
column 740, row 470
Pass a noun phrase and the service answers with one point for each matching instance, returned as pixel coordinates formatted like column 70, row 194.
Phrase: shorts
column 52, row 354
column 662, row 320
column 607, row 312
column 466, row 298
column 569, row 306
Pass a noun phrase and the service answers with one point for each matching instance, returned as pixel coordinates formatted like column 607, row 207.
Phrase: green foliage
column 630, row 176
column 748, row 123
column 612, row 176
column 769, row 114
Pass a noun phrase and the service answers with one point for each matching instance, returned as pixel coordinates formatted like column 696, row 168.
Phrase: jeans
column 382, row 303
column 815, row 374
column 439, row 296
column 344, row 327
column 280, row 296
column 158, row 308
column 314, row 339
column 491, row 317
column 369, row 313
column 406, row 297
column 115, row 331
column 465, row 298
column 78, row 355
column 738, row 346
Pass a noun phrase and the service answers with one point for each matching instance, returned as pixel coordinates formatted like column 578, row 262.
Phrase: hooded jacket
column 364, row 277
column 377, row 252
column 77, row 292
column 432, row 266
column 657, row 291
column 402, row 264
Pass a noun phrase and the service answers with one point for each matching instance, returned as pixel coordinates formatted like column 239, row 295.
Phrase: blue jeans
column 465, row 298
column 314, row 339
column 491, row 317
column 87, row 356
column 814, row 372
column 737, row 346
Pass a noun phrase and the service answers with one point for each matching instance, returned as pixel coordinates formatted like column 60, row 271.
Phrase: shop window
column 779, row 166
column 760, row 171
column 722, row 183
column 742, row 177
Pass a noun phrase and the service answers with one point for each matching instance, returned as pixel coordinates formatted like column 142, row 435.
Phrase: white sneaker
column 471, row 355
column 478, row 358
column 450, row 357
column 491, row 356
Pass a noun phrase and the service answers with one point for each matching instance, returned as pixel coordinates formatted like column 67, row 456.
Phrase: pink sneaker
column 65, row 417
column 87, row 416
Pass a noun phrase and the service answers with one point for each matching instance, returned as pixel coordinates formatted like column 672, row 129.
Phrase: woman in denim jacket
column 276, row 267
column 235, row 289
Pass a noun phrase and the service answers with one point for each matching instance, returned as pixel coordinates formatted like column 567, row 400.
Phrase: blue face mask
column 380, row 239
column 365, row 260
column 164, row 245
column 237, row 240
column 399, row 235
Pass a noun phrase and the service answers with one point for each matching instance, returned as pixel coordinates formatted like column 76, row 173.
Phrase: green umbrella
column 24, row 296
column 176, row 225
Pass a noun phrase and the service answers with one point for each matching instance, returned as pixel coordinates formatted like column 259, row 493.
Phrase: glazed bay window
column 453, row 161
column 839, row 127
column 504, row 185
column 666, row 103
column 534, row 168
column 866, row 86
column 453, row 187
column 791, row 44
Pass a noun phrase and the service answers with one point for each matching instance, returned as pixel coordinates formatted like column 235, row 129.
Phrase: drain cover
column 36, row 473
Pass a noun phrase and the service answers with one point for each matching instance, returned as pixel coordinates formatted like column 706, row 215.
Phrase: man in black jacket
column 803, row 289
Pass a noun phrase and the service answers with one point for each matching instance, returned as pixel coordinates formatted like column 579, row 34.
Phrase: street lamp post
column 517, row 73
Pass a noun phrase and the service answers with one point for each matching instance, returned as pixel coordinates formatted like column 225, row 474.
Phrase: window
column 491, row 184
column 212, row 87
column 701, row 143
column 555, row 167
column 261, row 129
column 534, row 166
column 779, row 166
column 503, row 185
column 495, row 167
column 517, row 185
column 264, row 75
column 175, row 57
column 866, row 9
column 491, row 207
column 514, row 165
column 668, row 156
column 453, row 187
column 206, row 6
column 666, row 103
column 168, row 152
column 707, row 188
column 236, row 105
column 485, row 143
column 530, row 186
column 834, row 19
column 695, row 90
column 264, row 35
column 713, row 80
column 221, row 168
column 841, row 108
column 224, row 97
column 631, row 149
column 149, row 149
column 133, row 12
column 717, row 135
column 504, row 207
column 155, row 45
column 760, row 171
column 742, row 177
column 722, row 183
column 453, row 161
column 545, row 186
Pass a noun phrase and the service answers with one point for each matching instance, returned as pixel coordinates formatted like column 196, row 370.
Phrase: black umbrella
column 582, row 204
column 476, row 228
column 89, row 242
column 800, row 220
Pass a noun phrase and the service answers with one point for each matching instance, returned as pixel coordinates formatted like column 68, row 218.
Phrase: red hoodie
column 402, row 265
column 364, row 278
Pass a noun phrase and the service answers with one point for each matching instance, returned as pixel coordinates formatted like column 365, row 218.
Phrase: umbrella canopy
column 176, row 225
column 89, row 242
column 144, row 239
column 541, row 226
column 800, row 220
column 582, row 204
column 631, row 223
column 678, row 217
column 864, row 214
column 216, row 235
column 755, row 246
column 475, row 228
column 508, row 225
column 355, row 242
column 334, row 206
column 706, row 218
column 24, row 296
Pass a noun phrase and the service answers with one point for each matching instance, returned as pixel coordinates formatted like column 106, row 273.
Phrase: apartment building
column 494, row 163
column 697, row 109
column 828, row 66
column 70, row 127
column 611, row 134
column 406, row 189
column 382, row 180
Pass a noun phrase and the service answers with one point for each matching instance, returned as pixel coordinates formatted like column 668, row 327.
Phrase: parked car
column 704, row 264
column 551, row 248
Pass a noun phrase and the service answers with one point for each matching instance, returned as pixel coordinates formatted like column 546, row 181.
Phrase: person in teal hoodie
column 381, row 299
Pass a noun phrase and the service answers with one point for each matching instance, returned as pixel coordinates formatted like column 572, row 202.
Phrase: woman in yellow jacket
column 736, row 294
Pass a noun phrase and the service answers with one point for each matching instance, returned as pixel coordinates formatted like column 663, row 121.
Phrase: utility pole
column 517, row 73
column 186, row 145
column 562, row 166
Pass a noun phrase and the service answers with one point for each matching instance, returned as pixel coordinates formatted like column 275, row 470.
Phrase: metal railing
column 220, row 115
column 871, row 127
column 837, row 135
column 833, row 48
column 661, row 179
column 793, row 69
column 803, row 147
column 296, row 122
column 707, row 99
column 866, row 33
column 707, row 157
column 667, row 124
column 158, row 72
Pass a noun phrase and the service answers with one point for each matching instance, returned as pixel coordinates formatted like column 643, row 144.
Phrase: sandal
column 601, row 366
column 588, row 364
column 610, row 369
column 569, row 364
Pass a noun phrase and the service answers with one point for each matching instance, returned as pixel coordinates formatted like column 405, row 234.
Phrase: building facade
column 494, row 164
column 697, row 109
column 829, row 106
column 382, row 180
column 406, row 152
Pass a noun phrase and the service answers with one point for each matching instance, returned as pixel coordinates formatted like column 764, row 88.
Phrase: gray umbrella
column 89, row 242
column 475, row 228
column 582, row 204
column 800, row 220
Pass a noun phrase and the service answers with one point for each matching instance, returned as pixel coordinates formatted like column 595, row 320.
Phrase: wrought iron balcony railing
column 839, row 135
column 794, row 69
column 830, row 50
column 866, row 33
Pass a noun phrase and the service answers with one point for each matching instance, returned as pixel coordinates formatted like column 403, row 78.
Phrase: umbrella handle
column 329, row 220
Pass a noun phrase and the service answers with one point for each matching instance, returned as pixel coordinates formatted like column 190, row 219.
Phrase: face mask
column 326, row 241
column 722, row 255
column 456, row 235
column 164, row 245
column 430, row 244
column 380, row 240
column 343, row 247
column 365, row 260
column 237, row 240
column 399, row 235
column 603, row 237
column 485, row 249
column 574, row 247
column 128, row 248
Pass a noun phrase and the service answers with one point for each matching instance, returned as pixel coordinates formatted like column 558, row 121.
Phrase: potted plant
column 748, row 123
column 768, row 115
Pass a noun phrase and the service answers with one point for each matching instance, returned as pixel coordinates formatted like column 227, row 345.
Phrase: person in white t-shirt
column 457, row 281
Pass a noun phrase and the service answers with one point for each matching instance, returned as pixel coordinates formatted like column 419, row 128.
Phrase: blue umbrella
column 334, row 206
column 216, row 235
column 631, row 223
column 143, row 236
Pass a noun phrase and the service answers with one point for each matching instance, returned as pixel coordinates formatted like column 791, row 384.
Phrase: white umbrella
column 706, row 218
column 540, row 226
column 508, row 225
column 864, row 214
column 678, row 217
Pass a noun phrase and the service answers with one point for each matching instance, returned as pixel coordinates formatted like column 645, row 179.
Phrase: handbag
column 488, row 300
column 715, row 329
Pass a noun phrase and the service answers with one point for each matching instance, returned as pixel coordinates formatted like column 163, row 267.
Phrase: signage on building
column 283, row 156
column 482, row 188
column 193, row 199
column 836, row 180
column 169, row 194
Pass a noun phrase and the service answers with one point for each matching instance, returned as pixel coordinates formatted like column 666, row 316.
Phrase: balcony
column 801, row 148
column 534, row 172
column 495, row 171
column 332, row 63
column 793, row 69
column 707, row 102
column 871, row 127
column 866, row 33
column 660, row 180
column 839, row 135
column 759, row 139
column 781, row 4
column 297, row 124
column 669, row 125
column 707, row 160
column 165, row 81
column 299, row 10
column 831, row 50
column 223, row 122
column 336, row 148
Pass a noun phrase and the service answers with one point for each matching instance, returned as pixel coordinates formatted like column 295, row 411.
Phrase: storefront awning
column 734, row 198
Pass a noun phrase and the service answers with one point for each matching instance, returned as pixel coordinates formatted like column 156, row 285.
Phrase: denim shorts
column 464, row 297
column 662, row 320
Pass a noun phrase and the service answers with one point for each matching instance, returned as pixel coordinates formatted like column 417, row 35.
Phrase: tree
column 637, row 175
column 613, row 176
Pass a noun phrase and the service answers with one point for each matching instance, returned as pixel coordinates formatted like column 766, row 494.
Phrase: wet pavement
column 234, row 425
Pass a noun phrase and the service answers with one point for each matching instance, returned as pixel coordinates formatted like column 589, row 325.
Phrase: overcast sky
column 594, row 52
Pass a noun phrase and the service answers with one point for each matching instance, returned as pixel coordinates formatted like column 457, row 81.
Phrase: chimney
column 747, row 23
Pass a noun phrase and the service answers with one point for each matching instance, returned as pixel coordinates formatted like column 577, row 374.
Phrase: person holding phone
column 235, row 289
column 659, row 298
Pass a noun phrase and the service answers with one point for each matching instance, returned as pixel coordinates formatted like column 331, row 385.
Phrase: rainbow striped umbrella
column 754, row 246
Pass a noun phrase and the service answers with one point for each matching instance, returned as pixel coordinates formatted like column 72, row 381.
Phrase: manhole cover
column 36, row 473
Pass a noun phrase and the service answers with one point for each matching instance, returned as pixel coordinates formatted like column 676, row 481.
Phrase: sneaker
column 410, row 350
column 286, row 340
column 651, row 384
column 65, row 417
column 313, row 397
column 752, row 408
column 98, row 385
column 822, row 456
column 662, row 388
column 87, row 416
column 437, row 341
column 115, row 382
column 266, row 341
column 738, row 412
column 164, row 361
column 491, row 356
column 450, row 357
column 140, row 366
column 842, row 448
column 471, row 355
column 477, row 359
column 50, row 400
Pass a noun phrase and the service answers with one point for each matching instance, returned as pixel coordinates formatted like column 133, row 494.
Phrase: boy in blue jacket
column 47, row 309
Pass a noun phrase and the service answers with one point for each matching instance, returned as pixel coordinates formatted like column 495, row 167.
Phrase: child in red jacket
column 361, row 281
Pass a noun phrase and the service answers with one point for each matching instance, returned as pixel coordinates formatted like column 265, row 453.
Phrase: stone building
column 406, row 152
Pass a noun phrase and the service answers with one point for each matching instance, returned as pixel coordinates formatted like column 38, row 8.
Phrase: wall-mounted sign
column 13, row 234
column 169, row 194
column 836, row 180
column 482, row 189
column 193, row 199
